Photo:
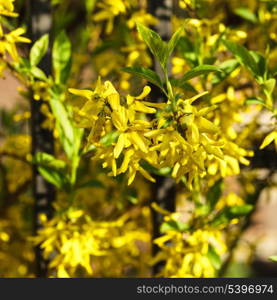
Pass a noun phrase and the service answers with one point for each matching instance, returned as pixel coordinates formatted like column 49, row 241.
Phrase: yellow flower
column 272, row 136
column 93, row 113
column 229, row 200
column 178, row 65
column 41, row 90
column 109, row 9
column 8, row 42
column 185, row 3
column 137, row 53
column 7, row 8
column 141, row 17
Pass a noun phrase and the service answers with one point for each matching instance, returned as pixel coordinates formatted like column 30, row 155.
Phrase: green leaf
column 243, row 56
column 269, row 86
column 64, row 126
column 214, row 193
column 145, row 73
column 70, row 137
column 187, row 49
column 202, row 210
column 90, row 4
column 109, row 138
column 132, row 196
column 132, row 199
column 256, row 101
column 214, row 257
column 240, row 210
column 88, row 150
column 273, row 72
column 200, row 70
column 46, row 159
column 185, row 85
column 61, row 115
column 61, row 57
column 26, row 64
column 166, row 171
column 261, row 63
column 209, row 60
column 227, row 67
column 174, row 41
column 229, row 213
column 174, row 225
column 39, row 49
column 78, row 136
column 38, row 73
column 51, row 169
column 52, row 176
column 273, row 258
column 92, row 183
column 154, row 42
column 246, row 14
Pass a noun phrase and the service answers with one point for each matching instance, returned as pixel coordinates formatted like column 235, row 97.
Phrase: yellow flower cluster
column 109, row 9
column 184, row 139
column 8, row 40
column 103, row 111
column 186, row 255
column 189, row 141
column 197, row 247
column 226, row 117
column 75, row 240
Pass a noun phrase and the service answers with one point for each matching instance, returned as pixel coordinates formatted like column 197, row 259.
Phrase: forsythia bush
column 127, row 108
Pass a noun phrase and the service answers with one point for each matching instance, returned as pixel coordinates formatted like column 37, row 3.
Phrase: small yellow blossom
column 272, row 136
